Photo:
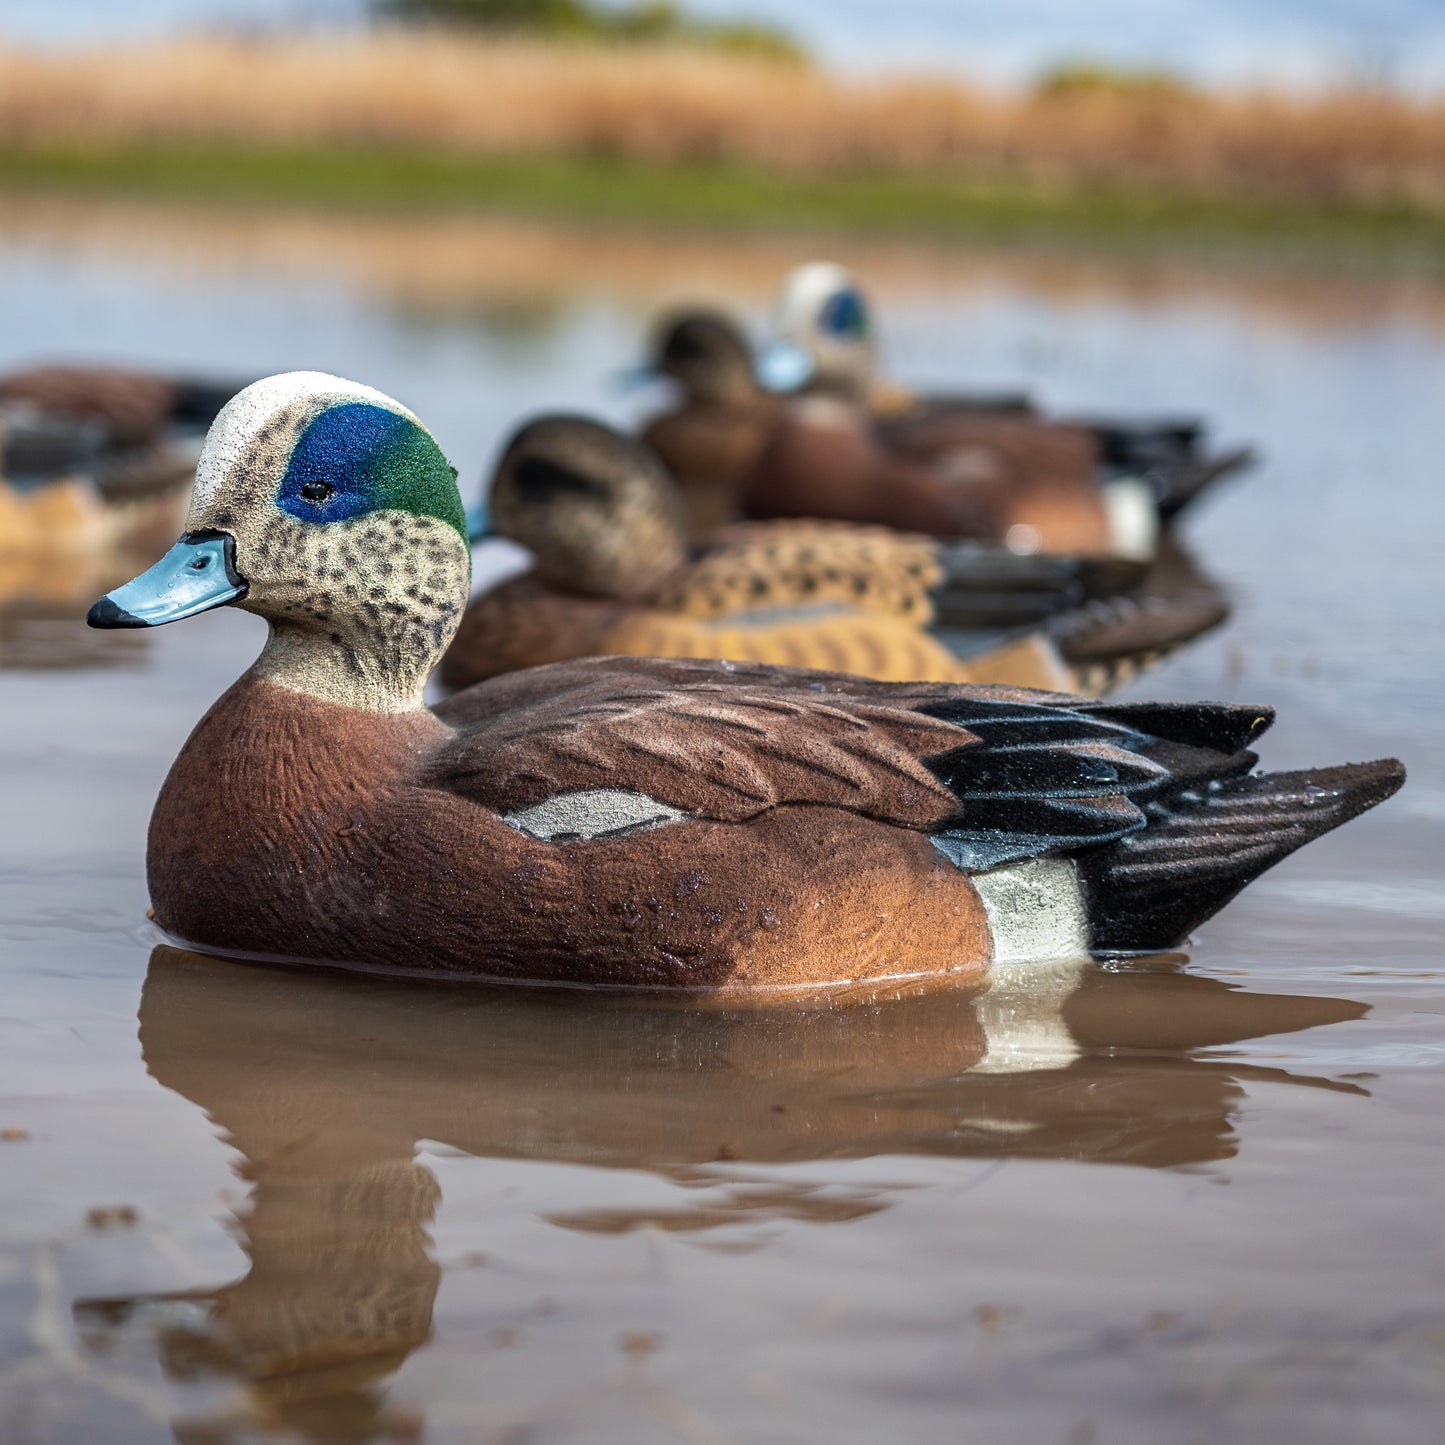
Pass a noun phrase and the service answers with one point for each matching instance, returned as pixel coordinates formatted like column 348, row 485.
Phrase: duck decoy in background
column 97, row 459
column 827, row 342
column 1034, row 487
column 124, row 408
column 738, row 450
column 640, row 821
column 710, row 440
column 615, row 574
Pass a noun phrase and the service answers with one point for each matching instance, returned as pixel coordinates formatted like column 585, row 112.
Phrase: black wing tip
column 1359, row 786
column 1225, row 727
column 1152, row 889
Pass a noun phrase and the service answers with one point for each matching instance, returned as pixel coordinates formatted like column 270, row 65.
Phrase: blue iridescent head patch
column 356, row 458
column 844, row 314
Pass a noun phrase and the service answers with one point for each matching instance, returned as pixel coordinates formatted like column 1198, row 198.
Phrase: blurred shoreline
column 447, row 122
column 510, row 268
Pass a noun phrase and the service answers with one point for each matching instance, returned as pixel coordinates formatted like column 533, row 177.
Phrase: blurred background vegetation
column 649, row 110
column 647, row 20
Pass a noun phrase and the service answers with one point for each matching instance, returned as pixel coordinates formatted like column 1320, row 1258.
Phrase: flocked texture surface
column 357, row 457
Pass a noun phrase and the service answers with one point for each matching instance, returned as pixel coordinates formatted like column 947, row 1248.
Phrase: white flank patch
column 594, row 813
column 1035, row 912
column 1133, row 516
column 238, row 422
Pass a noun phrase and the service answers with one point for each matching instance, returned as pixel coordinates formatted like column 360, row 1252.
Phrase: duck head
column 328, row 509
column 597, row 509
column 708, row 356
column 824, row 334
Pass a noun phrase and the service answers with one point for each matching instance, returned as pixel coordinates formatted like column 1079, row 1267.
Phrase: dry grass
column 494, row 98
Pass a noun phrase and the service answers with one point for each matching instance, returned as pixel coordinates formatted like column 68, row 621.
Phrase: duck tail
column 1148, row 890
column 1183, row 485
column 1108, row 642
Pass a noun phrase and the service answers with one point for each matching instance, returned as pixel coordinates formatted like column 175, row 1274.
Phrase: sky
column 1295, row 42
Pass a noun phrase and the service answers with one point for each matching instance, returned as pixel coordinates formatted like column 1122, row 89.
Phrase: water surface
column 1194, row 1198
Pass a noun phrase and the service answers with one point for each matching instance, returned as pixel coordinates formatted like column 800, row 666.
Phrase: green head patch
column 356, row 457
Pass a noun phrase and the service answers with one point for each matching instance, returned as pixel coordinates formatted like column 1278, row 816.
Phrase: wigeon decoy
column 640, row 822
column 615, row 573
column 826, row 341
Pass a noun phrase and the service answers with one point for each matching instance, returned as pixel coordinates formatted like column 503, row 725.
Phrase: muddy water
column 1190, row 1199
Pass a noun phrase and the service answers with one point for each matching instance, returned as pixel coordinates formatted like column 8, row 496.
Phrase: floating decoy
column 991, row 472
column 640, row 822
column 615, row 573
column 827, row 342
column 711, row 439
column 122, row 408
column 95, row 459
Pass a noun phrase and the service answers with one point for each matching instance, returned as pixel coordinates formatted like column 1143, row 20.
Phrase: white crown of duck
column 329, row 510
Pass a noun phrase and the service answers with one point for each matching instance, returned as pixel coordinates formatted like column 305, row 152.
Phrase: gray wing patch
column 592, row 813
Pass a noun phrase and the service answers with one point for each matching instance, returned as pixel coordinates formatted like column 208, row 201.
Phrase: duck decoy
column 711, row 438
column 114, row 406
column 640, row 822
column 739, row 450
column 826, row 341
column 96, row 460
column 615, row 573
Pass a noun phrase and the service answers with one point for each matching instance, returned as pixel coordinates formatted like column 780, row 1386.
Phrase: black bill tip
column 106, row 614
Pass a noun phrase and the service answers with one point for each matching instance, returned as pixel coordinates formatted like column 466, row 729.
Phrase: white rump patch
column 1133, row 517
column 593, row 813
column 238, row 422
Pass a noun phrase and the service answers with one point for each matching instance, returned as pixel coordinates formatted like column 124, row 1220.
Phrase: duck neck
column 367, row 634
column 336, row 666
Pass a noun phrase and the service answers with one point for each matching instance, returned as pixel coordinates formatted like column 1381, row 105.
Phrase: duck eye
column 317, row 492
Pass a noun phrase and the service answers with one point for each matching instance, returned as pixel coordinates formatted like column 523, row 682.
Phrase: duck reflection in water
column 325, row 1084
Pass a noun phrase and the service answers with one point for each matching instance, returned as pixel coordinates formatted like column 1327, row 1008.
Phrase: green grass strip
column 712, row 195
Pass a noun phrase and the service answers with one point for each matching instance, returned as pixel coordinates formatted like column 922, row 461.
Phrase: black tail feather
column 1149, row 889
column 1191, row 480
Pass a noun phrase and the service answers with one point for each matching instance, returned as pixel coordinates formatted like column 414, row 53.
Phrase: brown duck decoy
column 827, row 342
column 1032, row 487
column 723, row 420
column 736, row 449
column 96, row 460
column 640, row 822
column 615, row 574
column 113, row 406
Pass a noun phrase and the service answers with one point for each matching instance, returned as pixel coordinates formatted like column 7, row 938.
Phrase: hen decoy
column 615, row 572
